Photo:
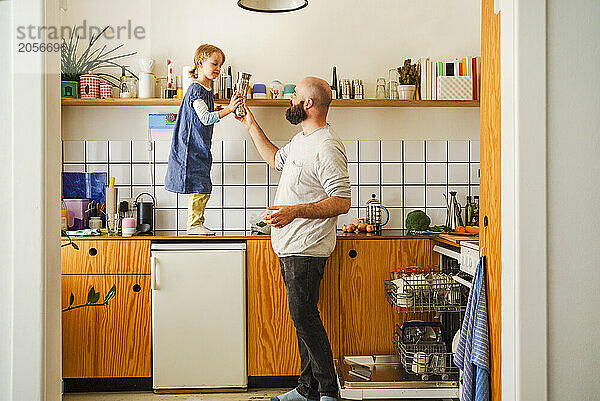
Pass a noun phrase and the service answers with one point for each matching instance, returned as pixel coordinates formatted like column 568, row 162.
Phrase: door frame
column 524, row 193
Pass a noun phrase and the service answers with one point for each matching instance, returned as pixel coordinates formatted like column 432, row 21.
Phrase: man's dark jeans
column 302, row 276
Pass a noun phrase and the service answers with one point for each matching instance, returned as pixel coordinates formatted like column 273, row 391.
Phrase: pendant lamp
column 272, row 6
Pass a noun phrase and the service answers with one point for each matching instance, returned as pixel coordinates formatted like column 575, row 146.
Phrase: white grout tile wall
column 404, row 175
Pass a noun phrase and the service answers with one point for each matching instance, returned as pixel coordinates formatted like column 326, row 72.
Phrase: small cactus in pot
column 407, row 80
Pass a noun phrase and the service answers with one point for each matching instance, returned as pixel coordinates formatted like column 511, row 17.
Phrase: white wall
column 573, row 153
column 363, row 39
column 29, row 210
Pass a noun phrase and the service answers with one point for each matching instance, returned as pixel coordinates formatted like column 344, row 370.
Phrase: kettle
column 145, row 215
column 374, row 208
column 453, row 215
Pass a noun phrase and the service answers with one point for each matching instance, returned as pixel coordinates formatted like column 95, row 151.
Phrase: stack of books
column 432, row 88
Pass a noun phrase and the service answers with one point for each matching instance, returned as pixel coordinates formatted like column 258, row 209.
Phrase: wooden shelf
column 276, row 102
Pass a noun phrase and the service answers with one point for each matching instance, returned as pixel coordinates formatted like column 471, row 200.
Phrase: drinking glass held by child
column 190, row 159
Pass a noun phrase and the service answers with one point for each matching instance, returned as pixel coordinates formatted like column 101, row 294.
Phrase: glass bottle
column 380, row 89
column 64, row 215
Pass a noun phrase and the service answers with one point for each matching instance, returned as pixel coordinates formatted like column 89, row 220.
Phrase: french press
column 374, row 208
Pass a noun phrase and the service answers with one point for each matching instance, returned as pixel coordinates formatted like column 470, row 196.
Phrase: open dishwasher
column 422, row 366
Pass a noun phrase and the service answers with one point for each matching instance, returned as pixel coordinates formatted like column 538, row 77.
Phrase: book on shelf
column 431, row 87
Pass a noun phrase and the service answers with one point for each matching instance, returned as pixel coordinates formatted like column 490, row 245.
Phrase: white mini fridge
column 199, row 315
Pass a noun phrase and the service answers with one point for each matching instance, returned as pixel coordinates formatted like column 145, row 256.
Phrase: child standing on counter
column 190, row 159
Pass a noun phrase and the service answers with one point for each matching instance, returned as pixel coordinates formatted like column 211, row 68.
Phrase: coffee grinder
column 145, row 215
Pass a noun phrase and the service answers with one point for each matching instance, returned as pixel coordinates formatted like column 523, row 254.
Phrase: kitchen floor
column 251, row 395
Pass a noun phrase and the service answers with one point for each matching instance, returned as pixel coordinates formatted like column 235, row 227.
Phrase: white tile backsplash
column 160, row 171
column 391, row 173
column 435, row 196
column 252, row 154
column 119, row 151
column 234, row 219
column 216, row 174
column 96, row 151
column 233, row 151
column 351, row 150
column 233, row 196
column 353, row 196
column 458, row 151
column 142, row 174
column 233, row 174
column 414, row 196
column 414, row 173
column 474, row 146
column 404, row 175
column 161, row 151
column 475, row 173
column 256, row 173
column 140, row 152
column 368, row 173
column 121, row 172
column 347, row 218
column 391, row 196
column 436, row 151
column 396, row 220
column 365, row 193
column 272, row 192
column 461, row 193
column 274, row 176
column 414, row 151
column 213, row 219
column 74, row 151
column 216, row 197
column 458, row 173
column 353, row 173
column 216, row 150
column 368, row 151
column 437, row 216
column 436, row 173
column 391, row 151
column 74, row 168
column 165, row 219
column 256, row 196
column 97, row 168
column 164, row 198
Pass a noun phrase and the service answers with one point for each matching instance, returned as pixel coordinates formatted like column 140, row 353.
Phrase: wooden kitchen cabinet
column 107, row 256
column 272, row 341
column 112, row 340
column 366, row 318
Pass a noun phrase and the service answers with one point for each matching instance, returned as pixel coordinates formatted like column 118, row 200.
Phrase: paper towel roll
column 112, row 200
column 187, row 78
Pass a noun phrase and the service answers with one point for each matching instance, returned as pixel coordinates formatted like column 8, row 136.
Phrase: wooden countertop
column 247, row 235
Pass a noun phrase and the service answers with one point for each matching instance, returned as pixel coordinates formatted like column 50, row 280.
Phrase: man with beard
column 313, row 190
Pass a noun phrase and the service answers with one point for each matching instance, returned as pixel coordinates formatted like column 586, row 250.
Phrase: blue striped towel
column 472, row 356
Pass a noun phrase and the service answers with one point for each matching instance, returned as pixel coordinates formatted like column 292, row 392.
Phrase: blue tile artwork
column 84, row 186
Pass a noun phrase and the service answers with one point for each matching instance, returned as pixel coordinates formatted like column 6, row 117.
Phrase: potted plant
column 74, row 65
column 407, row 80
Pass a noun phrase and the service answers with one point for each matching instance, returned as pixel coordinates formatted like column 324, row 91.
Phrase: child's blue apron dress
column 190, row 159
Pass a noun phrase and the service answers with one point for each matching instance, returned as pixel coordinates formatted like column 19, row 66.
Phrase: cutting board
column 458, row 238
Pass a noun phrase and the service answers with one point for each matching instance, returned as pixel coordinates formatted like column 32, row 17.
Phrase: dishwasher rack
column 425, row 358
column 424, row 289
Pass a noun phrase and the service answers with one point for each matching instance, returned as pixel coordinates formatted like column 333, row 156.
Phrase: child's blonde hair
column 202, row 53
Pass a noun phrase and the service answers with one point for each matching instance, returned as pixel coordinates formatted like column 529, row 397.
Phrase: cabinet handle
column 485, row 221
column 352, row 253
column 93, row 251
column 153, row 273
column 137, row 288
